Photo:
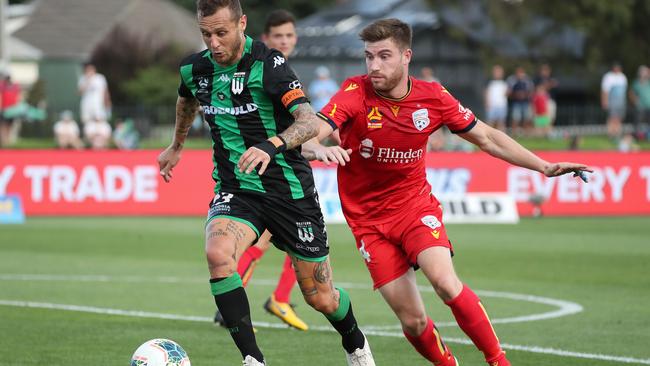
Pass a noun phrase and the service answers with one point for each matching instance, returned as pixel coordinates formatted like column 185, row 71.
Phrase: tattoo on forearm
column 186, row 109
column 322, row 272
column 304, row 128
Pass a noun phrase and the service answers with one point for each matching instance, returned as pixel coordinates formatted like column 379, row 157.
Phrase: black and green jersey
column 245, row 104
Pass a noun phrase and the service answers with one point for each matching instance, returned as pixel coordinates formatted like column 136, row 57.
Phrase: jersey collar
column 408, row 92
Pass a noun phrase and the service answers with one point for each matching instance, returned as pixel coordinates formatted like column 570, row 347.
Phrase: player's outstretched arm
column 304, row 128
column 186, row 109
column 500, row 145
column 314, row 150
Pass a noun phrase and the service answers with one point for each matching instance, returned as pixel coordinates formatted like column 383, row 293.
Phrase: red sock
column 285, row 282
column 473, row 320
column 247, row 263
column 430, row 345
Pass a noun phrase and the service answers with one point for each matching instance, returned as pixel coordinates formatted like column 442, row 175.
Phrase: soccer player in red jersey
column 384, row 119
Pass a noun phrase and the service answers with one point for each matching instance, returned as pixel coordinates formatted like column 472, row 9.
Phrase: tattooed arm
column 186, row 109
column 305, row 127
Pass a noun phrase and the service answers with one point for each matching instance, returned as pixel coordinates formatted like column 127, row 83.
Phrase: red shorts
column 391, row 248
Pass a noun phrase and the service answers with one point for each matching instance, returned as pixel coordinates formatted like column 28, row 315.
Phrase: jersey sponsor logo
column 431, row 221
column 374, row 118
column 388, row 154
column 235, row 111
column 421, row 119
column 305, row 231
column 466, row 112
column 277, row 61
column 351, row 87
column 364, row 253
column 238, row 82
column 395, row 110
column 290, row 96
column 224, row 78
column 366, row 149
column 295, row 85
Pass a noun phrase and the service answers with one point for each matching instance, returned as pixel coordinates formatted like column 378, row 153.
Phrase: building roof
column 334, row 32
column 71, row 29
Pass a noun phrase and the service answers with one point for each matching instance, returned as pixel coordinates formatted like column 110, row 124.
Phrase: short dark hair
column 393, row 28
column 276, row 18
column 205, row 8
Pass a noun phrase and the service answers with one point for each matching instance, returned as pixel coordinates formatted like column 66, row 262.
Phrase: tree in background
column 256, row 10
column 613, row 30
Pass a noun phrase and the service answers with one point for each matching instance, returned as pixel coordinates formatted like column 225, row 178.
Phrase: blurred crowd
column 521, row 105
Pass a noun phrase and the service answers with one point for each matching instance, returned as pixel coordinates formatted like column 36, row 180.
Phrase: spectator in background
column 66, row 132
column 541, row 115
column 496, row 99
column 640, row 96
column 10, row 98
column 613, row 90
column 520, row 91
column 126, row 137
column 627, row 144
column 95, row 98
column 544, row 76
column 321, row 90
column 427, row 74
column 97, row 133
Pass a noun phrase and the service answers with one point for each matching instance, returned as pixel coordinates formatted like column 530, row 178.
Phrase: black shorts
column 297, row 226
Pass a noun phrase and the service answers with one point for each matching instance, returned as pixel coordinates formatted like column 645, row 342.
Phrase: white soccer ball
column 160, row 352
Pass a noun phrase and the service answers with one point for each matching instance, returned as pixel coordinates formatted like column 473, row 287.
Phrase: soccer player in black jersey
column 258, row 117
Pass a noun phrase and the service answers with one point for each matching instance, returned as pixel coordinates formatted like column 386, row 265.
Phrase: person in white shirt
column 95, row 98
column 66, row 132
column 613, row 92
column 496, row 99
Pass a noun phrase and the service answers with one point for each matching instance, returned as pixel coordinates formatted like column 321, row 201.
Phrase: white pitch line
column 145, row 314
column 564, row 308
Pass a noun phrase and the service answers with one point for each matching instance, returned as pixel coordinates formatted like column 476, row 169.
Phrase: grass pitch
column 88, row 291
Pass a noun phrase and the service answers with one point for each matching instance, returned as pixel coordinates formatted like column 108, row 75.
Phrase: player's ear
column 242, row 22
column 406, row 56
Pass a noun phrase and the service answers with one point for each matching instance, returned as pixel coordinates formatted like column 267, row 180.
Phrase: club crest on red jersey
column 421, row 119
column 374, row 118
column 366, row 149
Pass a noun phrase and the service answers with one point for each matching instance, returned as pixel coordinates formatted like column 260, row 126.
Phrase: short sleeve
column 281, row 83
column 457, row 118
column 184, row 91
column 343, row 105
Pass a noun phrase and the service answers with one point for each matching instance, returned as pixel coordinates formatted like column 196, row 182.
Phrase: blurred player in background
column 385, row 117
column 279, row 33
column 259, row 117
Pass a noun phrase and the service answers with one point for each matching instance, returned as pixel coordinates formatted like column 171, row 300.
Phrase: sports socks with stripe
column 473, row 320
column 286, row 282
column 232, row 302
column 344, row 322
column 430, row 345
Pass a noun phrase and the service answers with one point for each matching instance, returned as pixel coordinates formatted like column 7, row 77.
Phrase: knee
column 220, row 260
column 414, row 324
column 447, row 286
column 323, row 303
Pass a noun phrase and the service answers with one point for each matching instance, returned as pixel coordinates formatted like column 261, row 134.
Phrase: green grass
column 157, row 265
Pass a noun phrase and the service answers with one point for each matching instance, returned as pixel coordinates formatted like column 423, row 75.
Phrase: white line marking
column 145, row 314
column 564, row 308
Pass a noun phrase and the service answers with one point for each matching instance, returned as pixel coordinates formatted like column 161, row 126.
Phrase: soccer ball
column 160, row 352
